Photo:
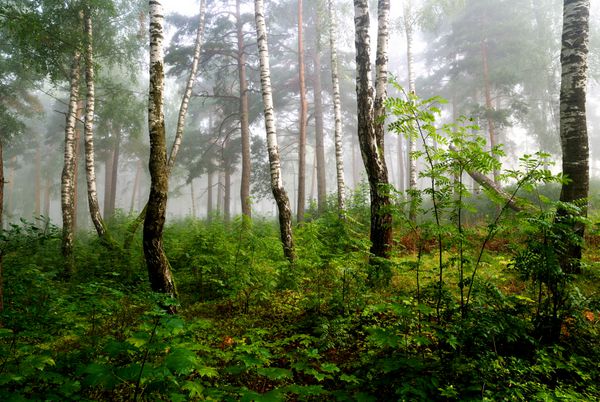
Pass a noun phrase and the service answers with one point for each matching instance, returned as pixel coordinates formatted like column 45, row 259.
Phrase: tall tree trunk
column 76, row 163
column 381, row 67
column 573, row 123
column 185, row 100
column 67, row 178
column 489, row 107
column 47, row 187
column 108, row 168
column 281, row 198
column 412, row 144
column 38, row 181
column 114, row 171
column 209, row 195
column 90, row 168
column 227, row 195
column 400, row 172
column 193, row 198
column 337, row 110
column 244, row 112
column 159, row 271
column 319, row 132
column 1, row 224
column 136, row 185
column 12, row 167
column 373, row 157
column 220, row 181
column 303, row 120
column 181, row 117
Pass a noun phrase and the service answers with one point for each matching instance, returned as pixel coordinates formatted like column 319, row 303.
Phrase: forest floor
column 251, row 327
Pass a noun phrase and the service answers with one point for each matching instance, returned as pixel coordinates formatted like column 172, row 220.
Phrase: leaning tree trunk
column 68, row 175
column 319, row 132
column 132, row 229
column 373, row 158
column 90, row 168
column 244, row 112
column 337, row 110
column 412, row 144
column 159, row 272
column 302, row 122
column 281, row 198
column 573, row 125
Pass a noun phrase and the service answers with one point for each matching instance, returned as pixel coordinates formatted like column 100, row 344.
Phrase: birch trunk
column 319, row 133
column 412, row 144
column 302, row 122
column 281, row 198
column 573, row 122
column 244, row 119
column 159, row 272
column 381, row 73
column 90, row 169
column 180, row 120
column 373, row 158
column 67, row 177
column 337, row 110
column 185, row 100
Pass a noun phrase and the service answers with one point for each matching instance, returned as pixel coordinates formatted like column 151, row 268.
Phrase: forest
column 299, row 200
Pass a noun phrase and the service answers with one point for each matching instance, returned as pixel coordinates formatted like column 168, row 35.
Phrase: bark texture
column 67, row 194
column 319, row 132
column 244, row 112
column 1, row 224
column 412, row 144
column 373, row 158
column 302, row 119
column 573, row 123
column 337, row 110
column 90, row 169
column 281, row 198
column 159, row 272
column 381, row 72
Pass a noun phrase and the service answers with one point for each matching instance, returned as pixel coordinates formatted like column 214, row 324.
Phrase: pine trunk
column 573, row 121
column 302, row 122
column 489, row 107
column 159, row 271
column 67, row 177
column 373, row 158
column 244, row 113
column 337, row 110
column 281, row 198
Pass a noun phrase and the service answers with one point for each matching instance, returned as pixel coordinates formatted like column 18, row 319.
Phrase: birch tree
column 303, row 120
column 67, row 183
column 372, row 153
column 318, row 102
column 281, row 198
column 573, row 123
column 90, row 169
column 337, row 109
column 159, row 271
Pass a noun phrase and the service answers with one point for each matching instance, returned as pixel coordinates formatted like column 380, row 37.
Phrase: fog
column 522, row 50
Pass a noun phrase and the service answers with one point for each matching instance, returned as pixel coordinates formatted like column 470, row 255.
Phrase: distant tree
column 573, row 122
column 302, row 119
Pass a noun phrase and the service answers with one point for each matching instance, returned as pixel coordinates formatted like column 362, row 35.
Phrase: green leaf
column 349, row 378
column 209, row 372
column 195, row 389
column 274, row 373
column 329, row 368
column 181, row 361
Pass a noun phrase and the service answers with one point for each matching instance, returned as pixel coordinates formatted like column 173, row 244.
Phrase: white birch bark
column 381, row 72
column 412, row 144
column 337, row 109
column 67, row 193
column 185, row 100
column 283, row 204
column 90, row 169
